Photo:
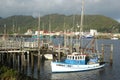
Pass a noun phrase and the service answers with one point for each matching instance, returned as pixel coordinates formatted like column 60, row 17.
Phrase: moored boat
column 114, row 38
column 77, row 62
column 88, row 36
column 48, row 56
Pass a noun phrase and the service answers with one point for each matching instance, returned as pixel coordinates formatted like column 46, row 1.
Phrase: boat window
column 83, row 57
column 73, row 57
column 76, row 57
column 69, row 57
column 80, row 57
column 60, row 65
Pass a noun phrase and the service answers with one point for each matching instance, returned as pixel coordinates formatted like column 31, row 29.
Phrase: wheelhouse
column 75, row 59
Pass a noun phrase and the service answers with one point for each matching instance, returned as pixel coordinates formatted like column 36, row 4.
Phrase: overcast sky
column 109, row 8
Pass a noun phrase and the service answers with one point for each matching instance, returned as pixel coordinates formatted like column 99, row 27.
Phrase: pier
column 26, row 56
column 22, row 55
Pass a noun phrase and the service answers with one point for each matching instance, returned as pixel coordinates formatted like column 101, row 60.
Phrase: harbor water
column 107, row 73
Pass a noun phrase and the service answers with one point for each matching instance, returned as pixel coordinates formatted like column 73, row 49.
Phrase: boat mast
column 82, row 15
column 38, row 43
column 81, row 22
column 50, row 28
column 65, row 43
column 38, row 35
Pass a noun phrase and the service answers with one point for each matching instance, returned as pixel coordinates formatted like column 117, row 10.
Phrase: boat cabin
column 75, row 59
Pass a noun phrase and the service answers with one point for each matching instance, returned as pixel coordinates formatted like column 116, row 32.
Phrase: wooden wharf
column 21, row 55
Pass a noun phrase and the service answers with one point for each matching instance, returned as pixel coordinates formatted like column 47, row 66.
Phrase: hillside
column 20, row 24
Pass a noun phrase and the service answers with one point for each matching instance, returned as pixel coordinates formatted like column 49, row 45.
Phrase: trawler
column 79, row 60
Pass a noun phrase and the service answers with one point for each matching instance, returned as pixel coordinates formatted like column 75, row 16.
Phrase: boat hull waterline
column 61, row 67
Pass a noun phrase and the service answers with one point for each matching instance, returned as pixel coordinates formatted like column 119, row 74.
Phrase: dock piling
column 102, row 53
column 39, row 61
column 111, row 55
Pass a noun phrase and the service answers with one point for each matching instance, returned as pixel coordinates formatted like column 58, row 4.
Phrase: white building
column 41, row 32
column 93, row 32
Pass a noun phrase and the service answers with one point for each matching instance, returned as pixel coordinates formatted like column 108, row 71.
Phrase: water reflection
column 30, row 69
column 89, row 75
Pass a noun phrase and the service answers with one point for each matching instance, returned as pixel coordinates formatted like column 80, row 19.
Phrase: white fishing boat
column 114, row 37
column 82, row 60
column 77, row 62
column 48, row 56
column 88, row 36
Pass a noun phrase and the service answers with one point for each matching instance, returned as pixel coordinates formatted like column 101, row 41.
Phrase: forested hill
column 20, row 24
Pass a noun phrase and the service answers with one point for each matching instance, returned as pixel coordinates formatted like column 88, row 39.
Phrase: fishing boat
column 88, row 36
column 77, row 62
column 48, row 56
column 82, row 60
column 114, row 37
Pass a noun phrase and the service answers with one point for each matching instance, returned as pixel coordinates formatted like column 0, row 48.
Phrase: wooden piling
column 22, row 60
column 111, row 55
column 32, row 63
column 8, row 58
column 59, row 52
column 39, row 61
column 0, row 57
column 13, row 60
column 25, row 63
column 18, row 62
column 28, row 62
column 102, row 53
column 28, row 58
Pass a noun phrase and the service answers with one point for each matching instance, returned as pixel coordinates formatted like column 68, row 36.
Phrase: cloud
column 108, row 8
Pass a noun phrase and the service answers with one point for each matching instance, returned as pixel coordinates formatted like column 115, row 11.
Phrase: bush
column 7, row 73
